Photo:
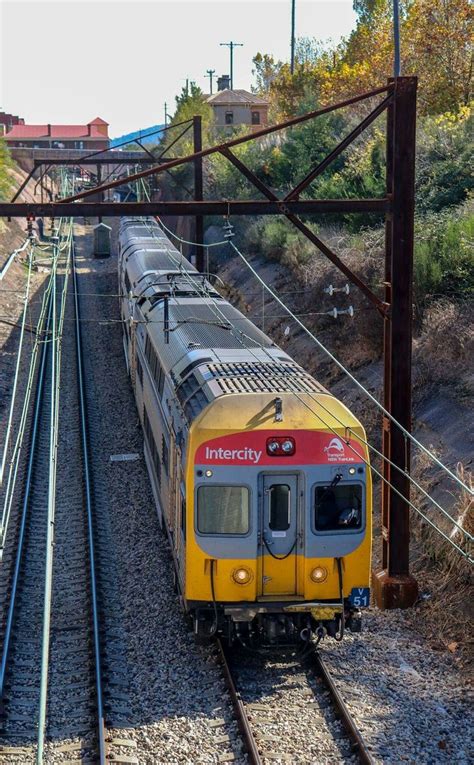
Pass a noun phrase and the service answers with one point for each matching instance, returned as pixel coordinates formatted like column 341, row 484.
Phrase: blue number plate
column 359, row 597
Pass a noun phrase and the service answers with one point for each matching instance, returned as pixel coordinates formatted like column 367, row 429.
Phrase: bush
column 6, row 163
column 443, row 254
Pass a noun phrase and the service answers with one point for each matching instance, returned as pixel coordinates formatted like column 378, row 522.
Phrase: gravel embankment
column 411, row 703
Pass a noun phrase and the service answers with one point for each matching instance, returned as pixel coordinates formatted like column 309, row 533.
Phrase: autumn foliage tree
column 436, row 45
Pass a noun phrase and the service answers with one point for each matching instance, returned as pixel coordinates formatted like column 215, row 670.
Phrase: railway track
column 51, row 673
column 261, row 689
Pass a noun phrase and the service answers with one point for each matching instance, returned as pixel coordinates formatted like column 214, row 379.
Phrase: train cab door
column 279, row 534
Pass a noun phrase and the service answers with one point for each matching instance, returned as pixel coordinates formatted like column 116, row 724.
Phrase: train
column 261, row 477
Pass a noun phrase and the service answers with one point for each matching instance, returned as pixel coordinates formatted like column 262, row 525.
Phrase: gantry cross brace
column 393, row 585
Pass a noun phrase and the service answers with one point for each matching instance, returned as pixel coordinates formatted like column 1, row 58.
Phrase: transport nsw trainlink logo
column 313, row 447
column 336, row 451
column 239, row 455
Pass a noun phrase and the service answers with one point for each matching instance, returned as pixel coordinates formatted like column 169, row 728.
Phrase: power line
column 343, row 369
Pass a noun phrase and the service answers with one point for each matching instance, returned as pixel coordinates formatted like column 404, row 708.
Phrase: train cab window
column 338, row 507
column 223, row 510
column 279, row 507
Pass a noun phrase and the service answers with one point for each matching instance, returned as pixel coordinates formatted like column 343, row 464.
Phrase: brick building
column 7, row 121
column 237, row 107
column 94, row 135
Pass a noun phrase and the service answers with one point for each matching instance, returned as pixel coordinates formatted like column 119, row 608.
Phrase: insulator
column 228, row 230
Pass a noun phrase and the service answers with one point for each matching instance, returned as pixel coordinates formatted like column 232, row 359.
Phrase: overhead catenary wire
column 17, row 366
column 21, row 431
column 343, row 369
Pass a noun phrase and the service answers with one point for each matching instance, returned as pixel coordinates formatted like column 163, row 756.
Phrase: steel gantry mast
column 394, row 587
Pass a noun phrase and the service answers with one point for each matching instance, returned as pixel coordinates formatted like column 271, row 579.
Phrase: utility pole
column 166, row 113
column 231, row 45
column 293, row 13
column 396, row 39
column 210, row 73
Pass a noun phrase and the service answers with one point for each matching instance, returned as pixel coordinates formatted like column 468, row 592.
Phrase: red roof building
column 94, row 135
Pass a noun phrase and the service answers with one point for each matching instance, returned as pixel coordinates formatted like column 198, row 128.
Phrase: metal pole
column 231, row 45
column 101, row 193
column 198, row 191
column 396, row 39
column 50, row 527
column 394, row 586
column 210, row 72
column 293, row 13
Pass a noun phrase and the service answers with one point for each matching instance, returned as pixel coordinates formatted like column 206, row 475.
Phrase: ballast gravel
column 410, row 702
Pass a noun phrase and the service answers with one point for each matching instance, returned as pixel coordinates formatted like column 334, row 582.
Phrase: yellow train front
column 261, row 477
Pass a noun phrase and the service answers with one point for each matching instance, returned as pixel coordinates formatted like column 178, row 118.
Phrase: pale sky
column 68, row 61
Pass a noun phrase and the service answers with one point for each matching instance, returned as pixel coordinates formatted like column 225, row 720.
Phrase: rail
column 90, row 520
column 315, row 660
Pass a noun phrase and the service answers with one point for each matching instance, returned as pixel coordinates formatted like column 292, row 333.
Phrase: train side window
column 223, row 510
column 155, row 457
column 183, row 516
column 338, row 507
column 279, row 507
column 165, row 454
column 139, row 370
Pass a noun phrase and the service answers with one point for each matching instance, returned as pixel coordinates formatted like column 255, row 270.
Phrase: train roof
column 209, row 348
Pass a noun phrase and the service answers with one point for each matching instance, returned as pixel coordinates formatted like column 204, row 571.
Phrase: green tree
column 6, row 163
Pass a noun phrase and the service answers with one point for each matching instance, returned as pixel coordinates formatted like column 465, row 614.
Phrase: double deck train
column 261, row 477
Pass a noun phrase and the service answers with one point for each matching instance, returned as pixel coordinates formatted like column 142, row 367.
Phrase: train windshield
column 338, row 507
column 223, row 510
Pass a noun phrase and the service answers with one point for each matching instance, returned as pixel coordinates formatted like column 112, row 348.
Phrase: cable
column 17, row 366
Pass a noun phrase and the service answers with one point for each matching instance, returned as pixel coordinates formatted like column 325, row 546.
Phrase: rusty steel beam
column 174, row 141
column 207, row 207
column 125, row 143
column 364, row 288
column 237, row 141
column 198, row 192
column 138, row 160
column 350, row 138
column 394, row 587
column 28, row 178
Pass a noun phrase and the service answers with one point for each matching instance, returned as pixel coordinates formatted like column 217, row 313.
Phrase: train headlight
column 241, row 575
column 352, row 471
column 319, row 574
column 281, row 446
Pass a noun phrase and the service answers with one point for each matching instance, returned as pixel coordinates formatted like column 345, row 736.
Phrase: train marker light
column 319, row 574
column 281, row 446
column 241, row 575
column 208, row 473
column 352, row 471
